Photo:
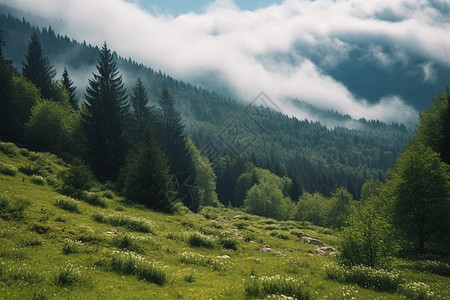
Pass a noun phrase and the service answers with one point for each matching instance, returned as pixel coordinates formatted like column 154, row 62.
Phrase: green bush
column 135, row 224
column 12, row 208
column 366, row 277
column 36, row 179
column 218, row 264
column 229, row 243
column 129, row 263
column 9, row 149
column 8, row 169
column 68, row 204
column 70, row 247
column 433, row 267
column 125, row 242
column 78, row 177
column 196, row 239
column 31, row 169
column 276, row 285
column 416, row 291
column 363, row 240
column 108, row 194
column 68, row 275
column 94, row 199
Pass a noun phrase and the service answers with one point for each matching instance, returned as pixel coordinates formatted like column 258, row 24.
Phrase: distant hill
column 316, row 157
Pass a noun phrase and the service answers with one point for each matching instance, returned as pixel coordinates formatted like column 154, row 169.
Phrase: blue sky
column 178, row 7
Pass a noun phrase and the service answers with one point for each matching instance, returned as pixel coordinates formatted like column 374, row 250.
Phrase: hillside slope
column 54, row 247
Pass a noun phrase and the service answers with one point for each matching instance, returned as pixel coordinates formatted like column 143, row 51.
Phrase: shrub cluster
column 12, row 208
column 68, row 275
column 215, row 263
column 276, row 285
column 416, row 291
column 129, row 263
column 125, row 242
column 433, row 267
column 7, row 169
column 67, row 203
column 197, row 239
column 37, row 179
column 135, row 224
column 377, row 279
column 94, row 199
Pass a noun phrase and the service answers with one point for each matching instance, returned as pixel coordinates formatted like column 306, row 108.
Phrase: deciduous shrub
column 276, row 285
column 68, row 204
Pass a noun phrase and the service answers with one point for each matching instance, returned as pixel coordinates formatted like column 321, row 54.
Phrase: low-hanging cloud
column 268, row 49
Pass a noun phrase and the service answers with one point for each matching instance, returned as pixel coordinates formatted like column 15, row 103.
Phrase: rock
column 111, row 233
column 327, row 249
column 224, row 256
column 312, row 241
column 267, row 249
column 239, row 217
column 324, row 250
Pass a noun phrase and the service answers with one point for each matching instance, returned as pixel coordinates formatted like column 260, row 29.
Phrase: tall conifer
column 68, row 85
column 141, row 111
column 37, row 68
column 103, row 116
column 173, row 143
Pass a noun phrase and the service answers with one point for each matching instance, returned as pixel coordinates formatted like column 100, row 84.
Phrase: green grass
column 86, row 250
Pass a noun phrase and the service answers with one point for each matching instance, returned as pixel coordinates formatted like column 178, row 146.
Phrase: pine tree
column 104, row 115
column 37, row 68
column 68, row 85
column 173, row 143
column 141, row 112
column 147, row 179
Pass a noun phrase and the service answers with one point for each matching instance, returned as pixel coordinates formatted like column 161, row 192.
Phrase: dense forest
column 230, row 133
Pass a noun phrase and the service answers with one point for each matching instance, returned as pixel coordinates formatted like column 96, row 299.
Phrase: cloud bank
column 268, row 49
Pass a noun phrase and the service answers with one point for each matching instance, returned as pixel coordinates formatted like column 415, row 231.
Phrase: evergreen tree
column 205, row 178
column 68, row 85
column 37, row 68
column 147, row 178
column 6, row 90
column 173, row 142
column 104, row 115
column 2, row 44
column 141, row 111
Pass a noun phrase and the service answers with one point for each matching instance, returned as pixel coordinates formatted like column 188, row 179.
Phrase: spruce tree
column 6, row 107
column 37, row 68
column 104, row 115
column 68, row 85
column 147, row 179
column 173, row 143
column 141, row 111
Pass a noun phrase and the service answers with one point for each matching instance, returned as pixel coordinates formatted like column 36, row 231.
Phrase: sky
column 253, row 46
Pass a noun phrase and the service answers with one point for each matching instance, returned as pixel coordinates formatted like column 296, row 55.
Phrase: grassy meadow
column 101, row 247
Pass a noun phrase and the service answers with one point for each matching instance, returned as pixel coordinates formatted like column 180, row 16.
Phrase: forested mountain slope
column 231, row 132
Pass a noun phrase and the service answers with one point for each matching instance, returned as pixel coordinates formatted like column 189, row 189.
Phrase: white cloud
column 429, row 74
column 258, row 50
